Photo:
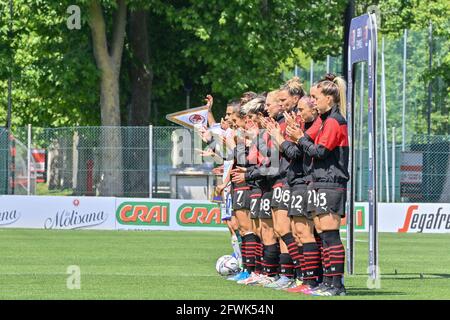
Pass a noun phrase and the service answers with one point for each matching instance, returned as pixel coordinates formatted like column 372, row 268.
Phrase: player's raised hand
column 239, row 170
column 205, row 153
column 273, row 127
column 295, row 132
column 224, row 124
column 238, row 177
column 205, row 134
column 220, row 188
column 264, row 122
column 275, row 132
column 229, row 142
column 218, row 170
column 209, row 101
column 289, row 118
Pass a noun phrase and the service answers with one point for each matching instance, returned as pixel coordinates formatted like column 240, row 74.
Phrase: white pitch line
column 99, row 274
column 356, row 240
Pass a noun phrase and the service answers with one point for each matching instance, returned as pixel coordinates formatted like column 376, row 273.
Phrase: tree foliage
column 216, row 46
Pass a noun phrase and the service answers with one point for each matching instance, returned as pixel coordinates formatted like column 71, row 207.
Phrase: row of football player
column 288, row 153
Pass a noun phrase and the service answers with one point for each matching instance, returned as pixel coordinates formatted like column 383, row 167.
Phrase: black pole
column 430, row 64
column 348, row 15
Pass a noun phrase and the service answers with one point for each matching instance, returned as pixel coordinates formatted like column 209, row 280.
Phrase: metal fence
column 115, row 161
column 94, row 161
column 418, row 173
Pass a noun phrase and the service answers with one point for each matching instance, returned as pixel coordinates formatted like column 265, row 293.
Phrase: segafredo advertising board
column 405, row 217
column 57, row 212
column 415, row 217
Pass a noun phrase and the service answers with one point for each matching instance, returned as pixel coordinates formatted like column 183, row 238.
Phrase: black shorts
column 265, row 211
column 285, row 198
column 327, row 200
column 299, row 202
column 241, row 199
column 277, row 195
column 255, row 203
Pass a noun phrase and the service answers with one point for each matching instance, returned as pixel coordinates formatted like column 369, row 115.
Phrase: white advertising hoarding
column 57, row 212
column 167, row 214
column 405, row 217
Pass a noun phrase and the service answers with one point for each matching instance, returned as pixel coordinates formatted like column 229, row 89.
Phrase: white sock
column 236, row 249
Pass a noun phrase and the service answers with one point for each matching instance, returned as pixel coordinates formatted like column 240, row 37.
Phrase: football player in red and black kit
column 244, row 156
column 254, row 111
column 288, row 96
column 268, row 253
column 328, row 147
column 306, row 258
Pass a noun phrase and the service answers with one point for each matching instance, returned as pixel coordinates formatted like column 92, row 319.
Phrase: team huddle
column 285, row 158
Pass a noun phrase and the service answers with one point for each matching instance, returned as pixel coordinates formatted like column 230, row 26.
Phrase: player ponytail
column 340, row 83
column 334, row 86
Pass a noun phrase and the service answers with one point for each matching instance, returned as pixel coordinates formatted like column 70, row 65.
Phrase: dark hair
column 232, row 102
column 236, row 106
column 327, row 77
column 263, row 94
column 247, row 96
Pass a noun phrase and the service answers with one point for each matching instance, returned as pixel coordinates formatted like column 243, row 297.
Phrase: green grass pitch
column 181, row 265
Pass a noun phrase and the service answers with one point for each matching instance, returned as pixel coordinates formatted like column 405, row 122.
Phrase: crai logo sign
column 360, row 218
column 199, row 215
column 143, row 213
column 8, row 217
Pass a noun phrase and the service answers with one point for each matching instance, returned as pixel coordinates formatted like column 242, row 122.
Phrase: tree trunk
column 109, row 62
column 141, row 74
column 53, row 165
column 136, row 158
column 67, row 167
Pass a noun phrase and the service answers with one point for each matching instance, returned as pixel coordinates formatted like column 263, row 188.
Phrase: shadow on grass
column 355, row 292
column 411, row 276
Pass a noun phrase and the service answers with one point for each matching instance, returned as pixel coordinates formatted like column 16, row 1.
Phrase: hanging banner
column 196, row 117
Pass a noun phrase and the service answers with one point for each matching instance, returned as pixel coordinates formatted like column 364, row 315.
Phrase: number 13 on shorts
column 319, row 199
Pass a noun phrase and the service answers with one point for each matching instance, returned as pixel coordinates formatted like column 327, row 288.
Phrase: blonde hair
column 335, row 86
column 294, row 86
column 272, row 93
column 254, row 106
